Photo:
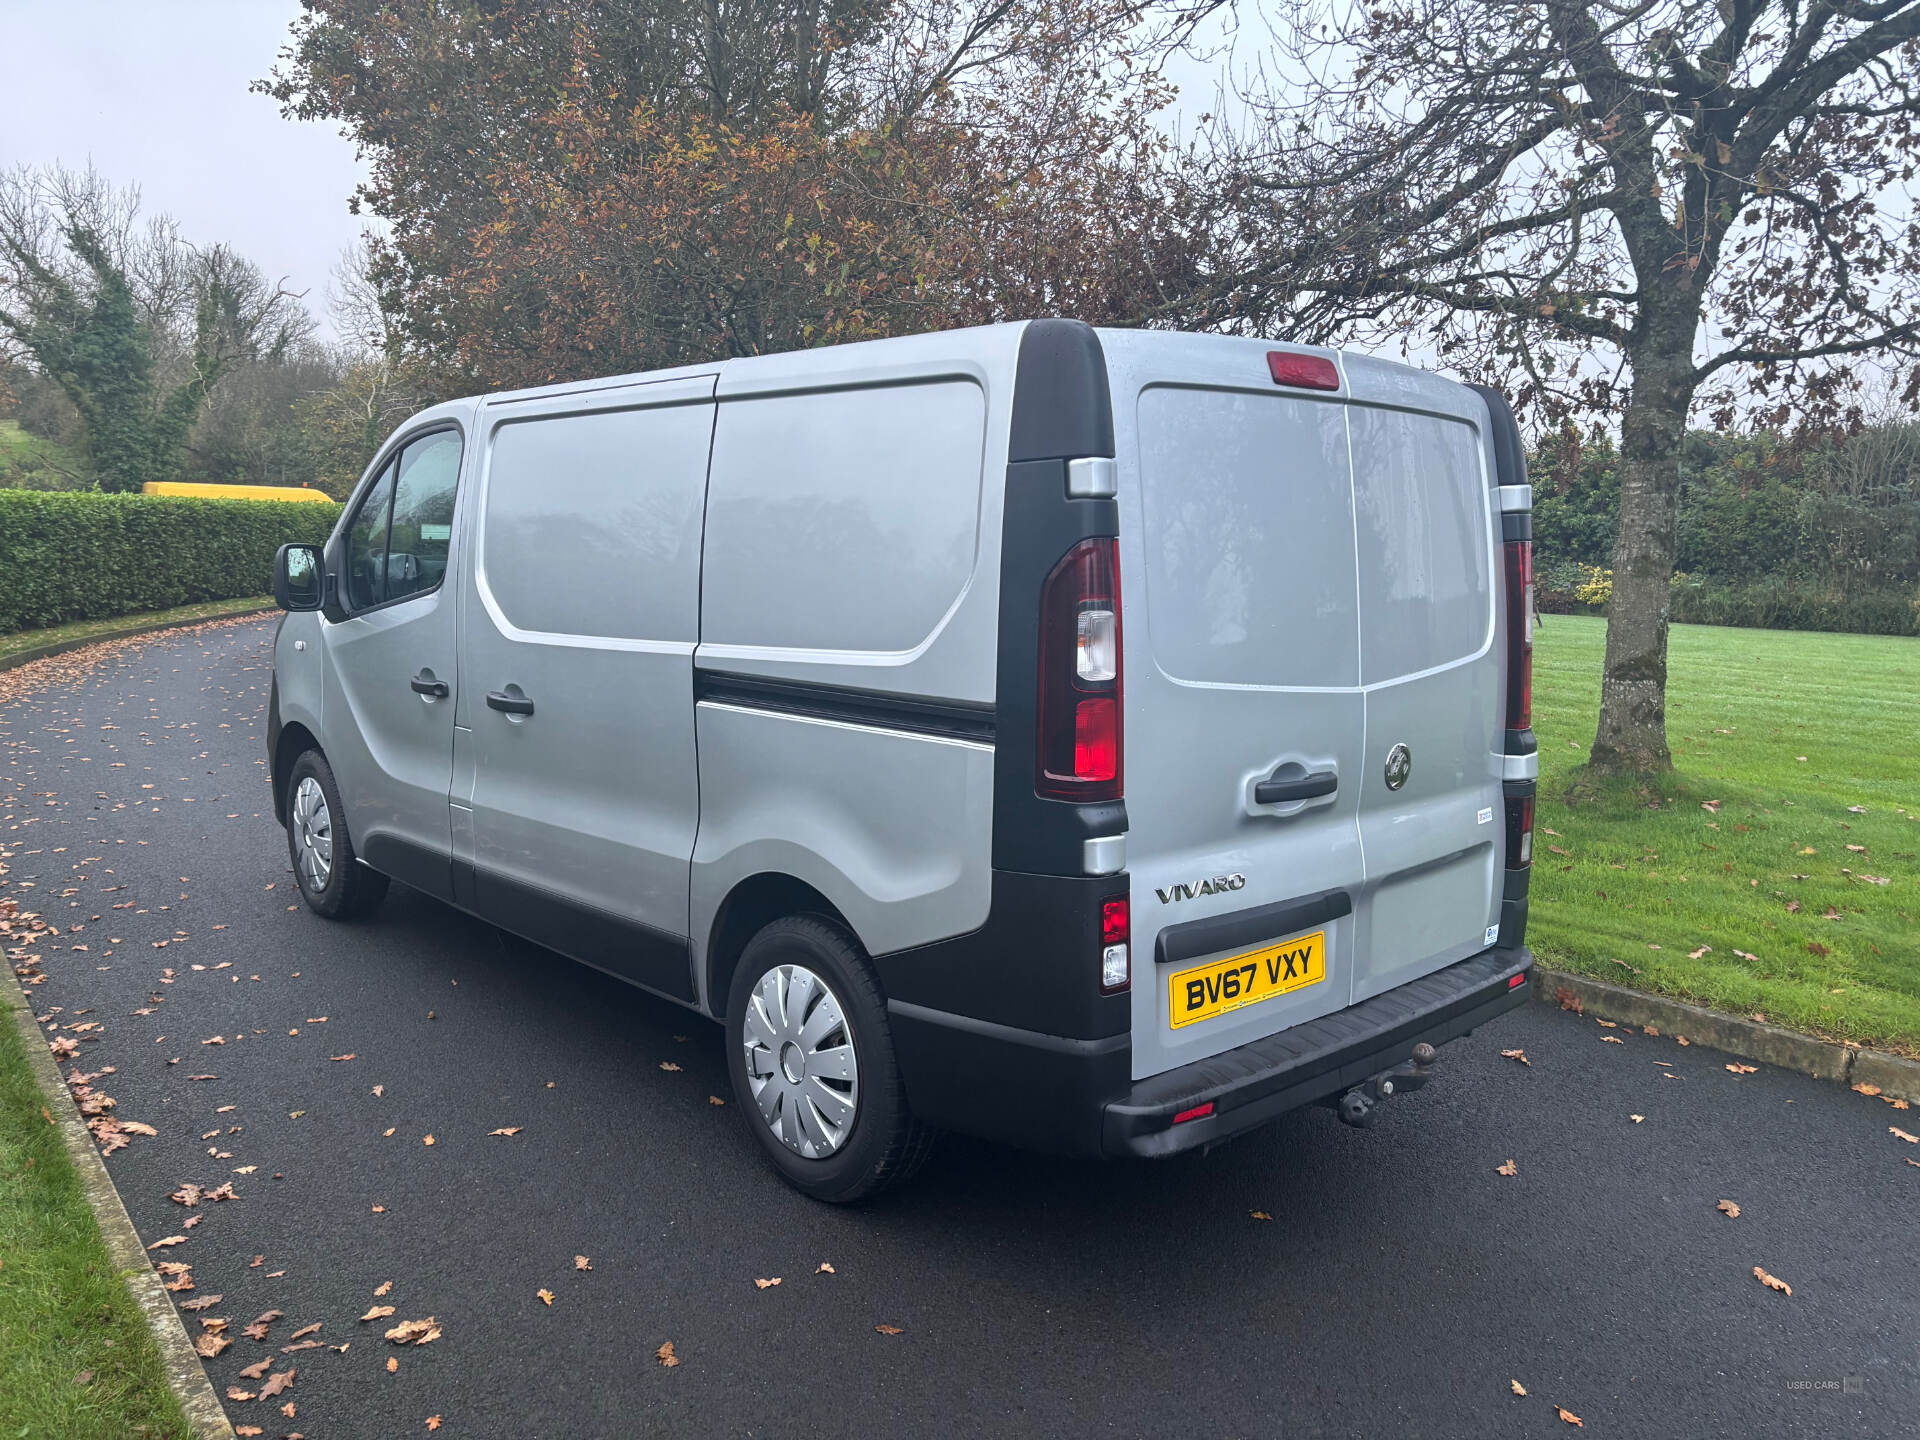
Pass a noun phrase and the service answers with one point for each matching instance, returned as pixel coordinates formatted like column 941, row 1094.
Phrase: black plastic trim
column 1256, row 1082
column 1033, row 966
column 1516, row 525
column 274, row 727
column 624, row 948
column 1062, row 410
column 1249, row 927
column 430, row 871
column 1520, row 742
column 950, row 720
column 1509, row 452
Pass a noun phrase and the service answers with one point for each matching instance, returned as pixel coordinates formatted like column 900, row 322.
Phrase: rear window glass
column 1424, row 542
column 1249, row 537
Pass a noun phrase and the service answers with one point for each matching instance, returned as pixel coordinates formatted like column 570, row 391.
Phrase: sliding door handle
column 509, row 704
column 425, row 684
column 1306, row 787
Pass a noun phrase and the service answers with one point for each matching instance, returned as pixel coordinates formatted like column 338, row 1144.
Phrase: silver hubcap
column 800, row 1061
column 312, row 834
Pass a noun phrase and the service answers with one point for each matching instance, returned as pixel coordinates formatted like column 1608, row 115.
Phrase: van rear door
column 1240, row 610
column 1427, row 546
column 1306, row 584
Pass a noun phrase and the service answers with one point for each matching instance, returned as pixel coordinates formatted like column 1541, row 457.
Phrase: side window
column 367, row 545
column 422, row 515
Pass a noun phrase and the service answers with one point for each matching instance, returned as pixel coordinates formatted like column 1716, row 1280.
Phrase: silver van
column 1097, row 740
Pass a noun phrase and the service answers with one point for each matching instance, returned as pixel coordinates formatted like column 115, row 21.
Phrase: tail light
column 1116, row 935
column 1519, row 831
column 1519, row 556
column 1079, row 751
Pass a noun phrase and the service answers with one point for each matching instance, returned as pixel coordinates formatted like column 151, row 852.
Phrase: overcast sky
column 154, row 92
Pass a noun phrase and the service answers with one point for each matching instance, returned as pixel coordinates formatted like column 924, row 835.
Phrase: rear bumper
column 1075, row 1096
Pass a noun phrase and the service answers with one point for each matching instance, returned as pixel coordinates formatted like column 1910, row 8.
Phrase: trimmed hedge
column 75, row 556
column 1776, row 603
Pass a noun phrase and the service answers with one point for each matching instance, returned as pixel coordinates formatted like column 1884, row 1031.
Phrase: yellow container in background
column 234, row 492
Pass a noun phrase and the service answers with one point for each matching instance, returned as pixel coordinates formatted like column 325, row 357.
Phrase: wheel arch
column 294, row 740
column 749, row 907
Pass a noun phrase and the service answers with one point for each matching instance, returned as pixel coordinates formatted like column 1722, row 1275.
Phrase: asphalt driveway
column 1399, row 1288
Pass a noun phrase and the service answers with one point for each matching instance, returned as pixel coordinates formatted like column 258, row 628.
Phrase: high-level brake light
column 1519, row 559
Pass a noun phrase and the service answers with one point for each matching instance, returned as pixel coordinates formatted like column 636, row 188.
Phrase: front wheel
column 332, row 881
column 811, row 1057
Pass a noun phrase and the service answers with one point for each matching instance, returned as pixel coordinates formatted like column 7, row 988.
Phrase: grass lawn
column 17, row 448
column 1809, row 744
column 64, row 1314
column 22, row 640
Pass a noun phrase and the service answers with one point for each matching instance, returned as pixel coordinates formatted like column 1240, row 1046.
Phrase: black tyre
column 332, row 880
column 811, row 1057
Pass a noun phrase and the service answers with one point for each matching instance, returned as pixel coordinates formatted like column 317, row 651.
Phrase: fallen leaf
column 378, row 1312
column 393, row 1364
column 1649, row 1030
column 766, row 1284
column 1606, row 1024
column 1681, row 1040
column 1518, row 1388
column 379, row 1090
column 546, row 1296
column 138, row 1127
column 305, row 1330
column 1519, row 1055
column 417, row 1332
column 668, row 1065
column 1900, row 1134
column 1743, row 1069
column 1772, row 1282
column 889, row 1329
column 666, row 1356
column 824, row 1268
column 1611, row 1040
column 1507, row 1169
column 258, row 1329
column 341, row 1057
column 427, row 1141
column 1867, row 1089
column 433, row 1422
column 205, row 1302
column 1713, row 805
column 1728, row 1209
column 169, row 1240
column 382, row 1288
column 210, row 1343
column 1260, row 1215
column 715, row 1100
column 503, row 1130
column 277, row 1383
column 234, row 1392
column 256, row 1370
column 248, row 1430
column 1636, row 1118
column 1568, row 1416
column 580, row 1262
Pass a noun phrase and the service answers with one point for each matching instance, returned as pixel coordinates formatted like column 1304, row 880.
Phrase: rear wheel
column 811, row 1057
column 332, row 881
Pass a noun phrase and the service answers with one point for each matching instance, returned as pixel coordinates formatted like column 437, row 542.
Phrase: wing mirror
column 299, row 577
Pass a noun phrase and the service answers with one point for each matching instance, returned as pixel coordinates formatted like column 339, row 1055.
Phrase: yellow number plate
column 1222, row 985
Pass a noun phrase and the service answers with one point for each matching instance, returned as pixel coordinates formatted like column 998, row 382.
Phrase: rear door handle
column 1307, row 787
column 510, row 704
column 423, row 684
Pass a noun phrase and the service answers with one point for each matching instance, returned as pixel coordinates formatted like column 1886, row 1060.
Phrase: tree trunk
column 1632, row 736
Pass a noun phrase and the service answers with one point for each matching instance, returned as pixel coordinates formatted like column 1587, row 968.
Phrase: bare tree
column 1617, row 207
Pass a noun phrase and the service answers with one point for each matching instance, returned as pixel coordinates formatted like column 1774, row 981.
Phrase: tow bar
column 1357, row 1106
